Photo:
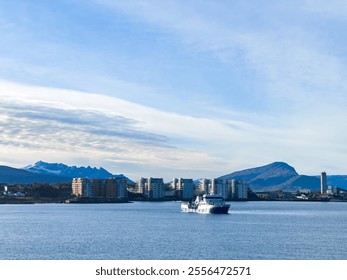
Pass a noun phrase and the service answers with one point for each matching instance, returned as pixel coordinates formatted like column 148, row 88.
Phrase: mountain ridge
column 275, row 176
column 10, row 175
column 60, row 169
column 44, row 172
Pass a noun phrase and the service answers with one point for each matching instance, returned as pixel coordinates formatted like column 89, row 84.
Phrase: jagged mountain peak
column 61, row 169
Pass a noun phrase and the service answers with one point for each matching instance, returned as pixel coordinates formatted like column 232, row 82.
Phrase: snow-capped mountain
column 10, row 175
column 60, row 169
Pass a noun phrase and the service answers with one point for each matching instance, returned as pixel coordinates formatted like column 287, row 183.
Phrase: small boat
column 206, row 204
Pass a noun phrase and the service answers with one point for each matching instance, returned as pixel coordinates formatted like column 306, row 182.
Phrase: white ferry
column 206, row 204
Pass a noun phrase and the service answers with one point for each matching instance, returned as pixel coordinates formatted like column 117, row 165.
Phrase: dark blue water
column 147, row 230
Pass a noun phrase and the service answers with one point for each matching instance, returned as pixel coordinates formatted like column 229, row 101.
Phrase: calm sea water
column 148, row 230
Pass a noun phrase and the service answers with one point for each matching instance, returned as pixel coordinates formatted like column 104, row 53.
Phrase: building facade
column 220, row 187
column 237, row 189
column 115, row 188
column 184, row 188
column 152, row 188
column 229, row 189
column 204, row 186
column 82, row 187
column 101, row 188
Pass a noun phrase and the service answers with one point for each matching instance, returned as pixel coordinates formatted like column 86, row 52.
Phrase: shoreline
column 62, row 200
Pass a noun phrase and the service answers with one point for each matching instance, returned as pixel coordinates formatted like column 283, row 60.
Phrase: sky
column 174, row 88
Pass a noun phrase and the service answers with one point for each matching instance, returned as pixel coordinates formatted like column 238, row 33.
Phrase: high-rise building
column 242, row 190
column 220, row 187
column 156, row 188
column 184, row 188
column 151, row 187
column 323, row 182
column 204, row 185
column 116, row 188
column 237, row 189
column 99, row 187
column 141, row 186
column 82, row 187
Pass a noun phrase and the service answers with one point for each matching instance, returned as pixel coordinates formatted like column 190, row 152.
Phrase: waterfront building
column 102, row 188
column 116, row 188
column 220, row 187
column 229, row 189
column 184, row 188
column 99, row 189
column 141, row 186
column 323, row 182
column 151, row 187
column 156, row 188
column 237, row 189
column 204, row 185
column 82, row 187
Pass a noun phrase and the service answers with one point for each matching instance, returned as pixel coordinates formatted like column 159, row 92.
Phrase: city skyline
column 188, row 89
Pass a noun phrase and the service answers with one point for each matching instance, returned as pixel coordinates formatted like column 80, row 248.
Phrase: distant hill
column 337, row 180
column 275, row 176
column 9, row 175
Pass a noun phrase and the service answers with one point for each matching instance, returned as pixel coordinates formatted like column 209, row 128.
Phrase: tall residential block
column 323, row 182
column 116, row 188
column 229, row 189
column 151, row 187
column 204, row 185
column 184, row 188
column 239, row 189
column 82, row 187
column 220, row 187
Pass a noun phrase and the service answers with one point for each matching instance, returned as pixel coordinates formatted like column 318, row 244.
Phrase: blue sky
column 174, row 88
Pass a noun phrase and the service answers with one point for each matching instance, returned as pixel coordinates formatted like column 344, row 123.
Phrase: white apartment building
column 185, row 188
column 220, row 187
column 237, row 189
column 204, row 185
column 229, row 189
column 151, row 187
column 82, row 187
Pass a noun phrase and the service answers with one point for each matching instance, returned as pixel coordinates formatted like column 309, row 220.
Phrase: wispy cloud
column 83, row 120
column 189, row 85
column 68, row 125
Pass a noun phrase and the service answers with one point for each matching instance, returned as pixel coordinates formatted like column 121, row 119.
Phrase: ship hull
column 207, row 210
column 220, row 210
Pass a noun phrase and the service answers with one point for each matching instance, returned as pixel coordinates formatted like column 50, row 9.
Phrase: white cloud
column 75, row 127
column 97, row 127
column 301, row 80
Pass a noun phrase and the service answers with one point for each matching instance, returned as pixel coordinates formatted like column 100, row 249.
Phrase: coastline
column 52, row 200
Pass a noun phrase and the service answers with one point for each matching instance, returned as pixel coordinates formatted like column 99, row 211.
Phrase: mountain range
column 44, row 172
column 274, row 176
column 60, row 169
